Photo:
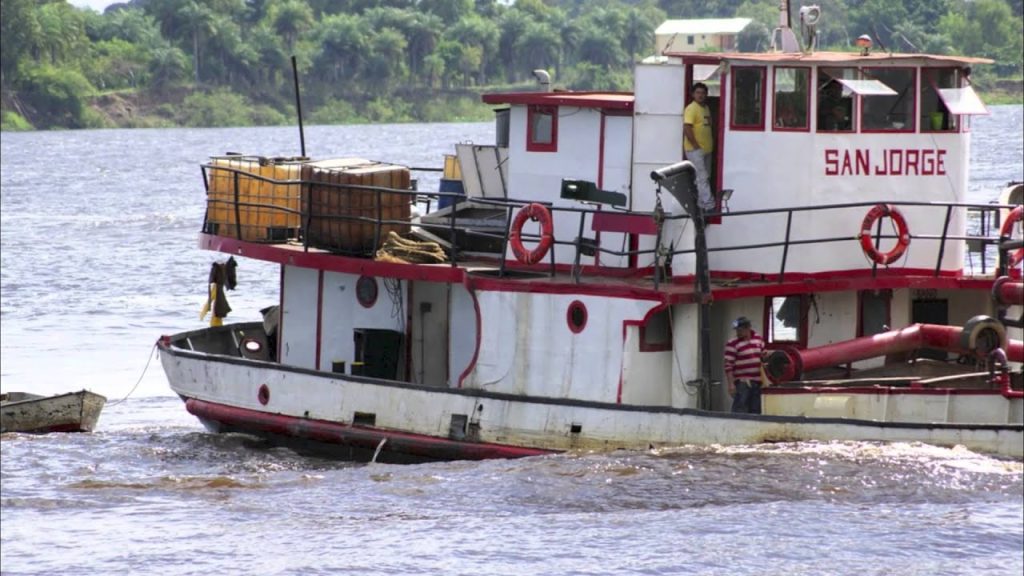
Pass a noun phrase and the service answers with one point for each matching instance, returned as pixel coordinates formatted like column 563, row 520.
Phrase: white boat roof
column 703, row 26
column 835, row 58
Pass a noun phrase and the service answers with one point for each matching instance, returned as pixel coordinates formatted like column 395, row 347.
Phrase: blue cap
column 741, row 322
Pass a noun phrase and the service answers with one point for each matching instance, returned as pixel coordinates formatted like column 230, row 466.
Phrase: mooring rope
column 139, row 381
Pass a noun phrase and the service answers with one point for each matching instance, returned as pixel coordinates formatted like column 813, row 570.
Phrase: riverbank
column 188, row 107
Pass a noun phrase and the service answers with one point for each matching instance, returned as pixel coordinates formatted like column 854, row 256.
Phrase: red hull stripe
column 883, row 390
column 363, row 437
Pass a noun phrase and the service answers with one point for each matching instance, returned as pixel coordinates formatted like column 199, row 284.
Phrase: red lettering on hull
column 889, row 162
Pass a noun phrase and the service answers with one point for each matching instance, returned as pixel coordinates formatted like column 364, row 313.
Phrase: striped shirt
column 743, row 357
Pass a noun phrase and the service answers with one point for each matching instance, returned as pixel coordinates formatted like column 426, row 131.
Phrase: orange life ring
column 1007, row 230
column 537, row 213
column 902, row 234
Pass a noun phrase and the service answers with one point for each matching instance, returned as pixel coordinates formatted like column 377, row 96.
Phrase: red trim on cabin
column 319, row 315
column 807, row 100
column 541, row 286
column 347, row 434
column 479, row 336
column 795, row 282
column 759, row 127
column 295, row 256
column 531, row 113
column 600, row 155
column 663, row 347
column 602, row 100
column 409, row 318
column 624, row 223
column 719, row 166
column 280, row 310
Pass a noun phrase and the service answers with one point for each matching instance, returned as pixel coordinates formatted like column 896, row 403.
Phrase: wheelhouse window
column 935, row 116
column 874, row 312
column 786, row 320
column 890, row 112
column 791, row 98
column 542, row 129
column 836, row 110
column 748, row 92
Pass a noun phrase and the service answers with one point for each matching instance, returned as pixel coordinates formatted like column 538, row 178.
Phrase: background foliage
column 227, row 62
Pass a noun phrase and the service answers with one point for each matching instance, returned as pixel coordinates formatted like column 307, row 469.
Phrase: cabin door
column 429, row 350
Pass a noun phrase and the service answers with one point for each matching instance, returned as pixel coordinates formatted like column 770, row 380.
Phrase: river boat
column 34, row 413
column 890, row 304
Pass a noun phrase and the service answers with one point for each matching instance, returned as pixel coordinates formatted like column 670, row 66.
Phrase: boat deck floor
column 640, row 282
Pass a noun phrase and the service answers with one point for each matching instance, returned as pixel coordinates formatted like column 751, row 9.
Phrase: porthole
column 366, row 291
column 576, row 316
column 263, row 395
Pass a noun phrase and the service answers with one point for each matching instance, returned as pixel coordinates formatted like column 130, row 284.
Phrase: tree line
column 221, row 62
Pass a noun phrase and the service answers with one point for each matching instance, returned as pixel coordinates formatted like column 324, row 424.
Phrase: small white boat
column 70, row 412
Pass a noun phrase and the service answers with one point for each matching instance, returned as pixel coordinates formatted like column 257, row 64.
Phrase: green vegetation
column 227, row 62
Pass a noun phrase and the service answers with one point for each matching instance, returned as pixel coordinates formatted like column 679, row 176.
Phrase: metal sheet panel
column 962, row 101
column 659, row 89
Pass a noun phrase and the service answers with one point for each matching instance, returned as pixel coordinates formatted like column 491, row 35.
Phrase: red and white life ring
column 1007, row 230
column 902, row 234
column 537, row 213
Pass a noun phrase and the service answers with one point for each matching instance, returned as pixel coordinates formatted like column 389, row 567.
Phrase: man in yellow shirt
column 698, row 142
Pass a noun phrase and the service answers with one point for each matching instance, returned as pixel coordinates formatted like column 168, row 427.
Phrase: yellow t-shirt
column 700, row 118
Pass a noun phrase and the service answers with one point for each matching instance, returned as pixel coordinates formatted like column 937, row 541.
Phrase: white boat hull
column 71, row 412
column 401, row 421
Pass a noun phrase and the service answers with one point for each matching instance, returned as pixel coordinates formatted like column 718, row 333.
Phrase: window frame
column 642, row 332
column 733, row 76
column 910, row 127
column 886, row 294
column 854, row 99
column 802, row 331
column 532, row 111
column 807, row 100
column 927, row 82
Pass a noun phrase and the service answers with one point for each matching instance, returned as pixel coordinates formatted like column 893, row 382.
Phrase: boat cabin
column 790, row 129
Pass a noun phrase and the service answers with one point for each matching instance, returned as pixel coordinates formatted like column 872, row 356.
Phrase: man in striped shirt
column 743, row 367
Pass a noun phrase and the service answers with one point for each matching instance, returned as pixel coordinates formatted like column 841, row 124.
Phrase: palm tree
column 200, row 21
column 290, row 18
column 342, row 46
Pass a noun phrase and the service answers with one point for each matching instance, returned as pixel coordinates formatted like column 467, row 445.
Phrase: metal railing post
column 238, row 211
column 942, row 241
column 785, row 247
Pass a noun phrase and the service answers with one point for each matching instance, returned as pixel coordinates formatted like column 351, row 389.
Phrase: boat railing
column 365, row 214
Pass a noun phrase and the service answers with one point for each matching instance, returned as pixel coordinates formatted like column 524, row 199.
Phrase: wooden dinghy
column 70, row 412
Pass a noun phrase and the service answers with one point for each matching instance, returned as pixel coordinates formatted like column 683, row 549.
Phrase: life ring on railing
column 1007, row 230
column 902, row 234
column 537, row 213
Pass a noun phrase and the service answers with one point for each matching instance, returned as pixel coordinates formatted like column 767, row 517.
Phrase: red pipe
column 1007, row 292
column 798, row 362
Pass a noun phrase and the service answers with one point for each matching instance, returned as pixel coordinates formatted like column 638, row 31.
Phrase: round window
column 576, row 316
column 366, row 291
